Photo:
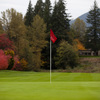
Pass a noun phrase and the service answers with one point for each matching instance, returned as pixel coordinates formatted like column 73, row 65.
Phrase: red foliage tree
column 5, row 42
column 4, row 60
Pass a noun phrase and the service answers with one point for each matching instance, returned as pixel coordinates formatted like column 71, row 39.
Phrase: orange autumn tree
column 78, row 45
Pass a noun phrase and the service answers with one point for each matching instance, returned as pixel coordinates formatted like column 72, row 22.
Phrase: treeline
column 31, row 36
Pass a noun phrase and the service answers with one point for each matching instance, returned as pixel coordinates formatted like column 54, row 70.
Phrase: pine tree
column 47, row 13
column 38, row 9
column 29, row 15
column 93, row 32
column 60, row 26
column 47, row 19
column 60, row 21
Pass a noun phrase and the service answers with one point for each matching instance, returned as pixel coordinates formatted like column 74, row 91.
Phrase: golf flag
column 53, row 39
column 52, row 36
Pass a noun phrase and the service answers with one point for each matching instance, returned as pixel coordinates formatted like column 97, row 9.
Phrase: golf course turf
column 16, row 85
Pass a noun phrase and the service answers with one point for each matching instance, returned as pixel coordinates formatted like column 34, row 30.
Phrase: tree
column 1, row 28
column 38, row 41
column 78, row 45
column 29, row 15
column 79, row 29
column 60, row 21
column 14, row 26
column 59, row 25
column 93, row 31
column 38, row 9
column 47, row 14
column 47, row 19
column 66, row 55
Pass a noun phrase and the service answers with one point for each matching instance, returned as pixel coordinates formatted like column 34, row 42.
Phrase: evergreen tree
column 38, row 9
column 47, row 13
column 60, row 21
column 60, row 26
column 29, row 15
column 93, row 32
column 47, row 20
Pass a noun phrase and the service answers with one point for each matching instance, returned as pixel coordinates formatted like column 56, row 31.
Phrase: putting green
column 36, row 86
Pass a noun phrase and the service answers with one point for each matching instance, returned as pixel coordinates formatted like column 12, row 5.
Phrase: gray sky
column 75, row 7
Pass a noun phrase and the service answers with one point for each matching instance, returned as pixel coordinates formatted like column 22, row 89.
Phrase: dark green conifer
column 60, row 21
column 29, row 15
column 93, row 32
column 47, row 13
column 38, row 9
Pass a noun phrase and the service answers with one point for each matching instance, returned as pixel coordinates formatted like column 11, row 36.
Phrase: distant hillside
column 82, row 17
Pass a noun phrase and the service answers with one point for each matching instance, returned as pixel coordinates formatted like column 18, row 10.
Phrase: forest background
column 24, row 40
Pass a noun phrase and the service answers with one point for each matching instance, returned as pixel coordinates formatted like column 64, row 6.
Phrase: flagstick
column 50, row 60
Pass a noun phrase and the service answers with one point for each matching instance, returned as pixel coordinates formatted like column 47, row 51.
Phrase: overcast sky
column 75, row 7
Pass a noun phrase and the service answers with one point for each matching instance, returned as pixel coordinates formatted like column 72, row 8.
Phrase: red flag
column 52, row 36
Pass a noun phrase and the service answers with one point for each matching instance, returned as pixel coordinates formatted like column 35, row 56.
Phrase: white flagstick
column 50, row 60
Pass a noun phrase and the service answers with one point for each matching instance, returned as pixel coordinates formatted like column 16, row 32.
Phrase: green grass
column 36, row 86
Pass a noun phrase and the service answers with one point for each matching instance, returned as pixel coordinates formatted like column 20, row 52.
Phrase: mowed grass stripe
column 47, row 91
column 17, row 76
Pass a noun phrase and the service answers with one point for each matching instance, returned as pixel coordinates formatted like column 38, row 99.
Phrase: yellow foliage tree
column 37, row 40
column 78, row 45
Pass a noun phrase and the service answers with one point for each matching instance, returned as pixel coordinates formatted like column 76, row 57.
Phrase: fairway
column 36, row 86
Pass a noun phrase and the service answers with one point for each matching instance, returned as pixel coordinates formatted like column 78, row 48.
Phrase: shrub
column 4, row 60
column 66, row 55
column 19, row 65
column 16, row 63
column 23, row 64
column 9, row 52
column 11, row 60
column 5, row 43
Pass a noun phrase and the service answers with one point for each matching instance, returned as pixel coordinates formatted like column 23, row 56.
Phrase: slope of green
column 36, row 86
